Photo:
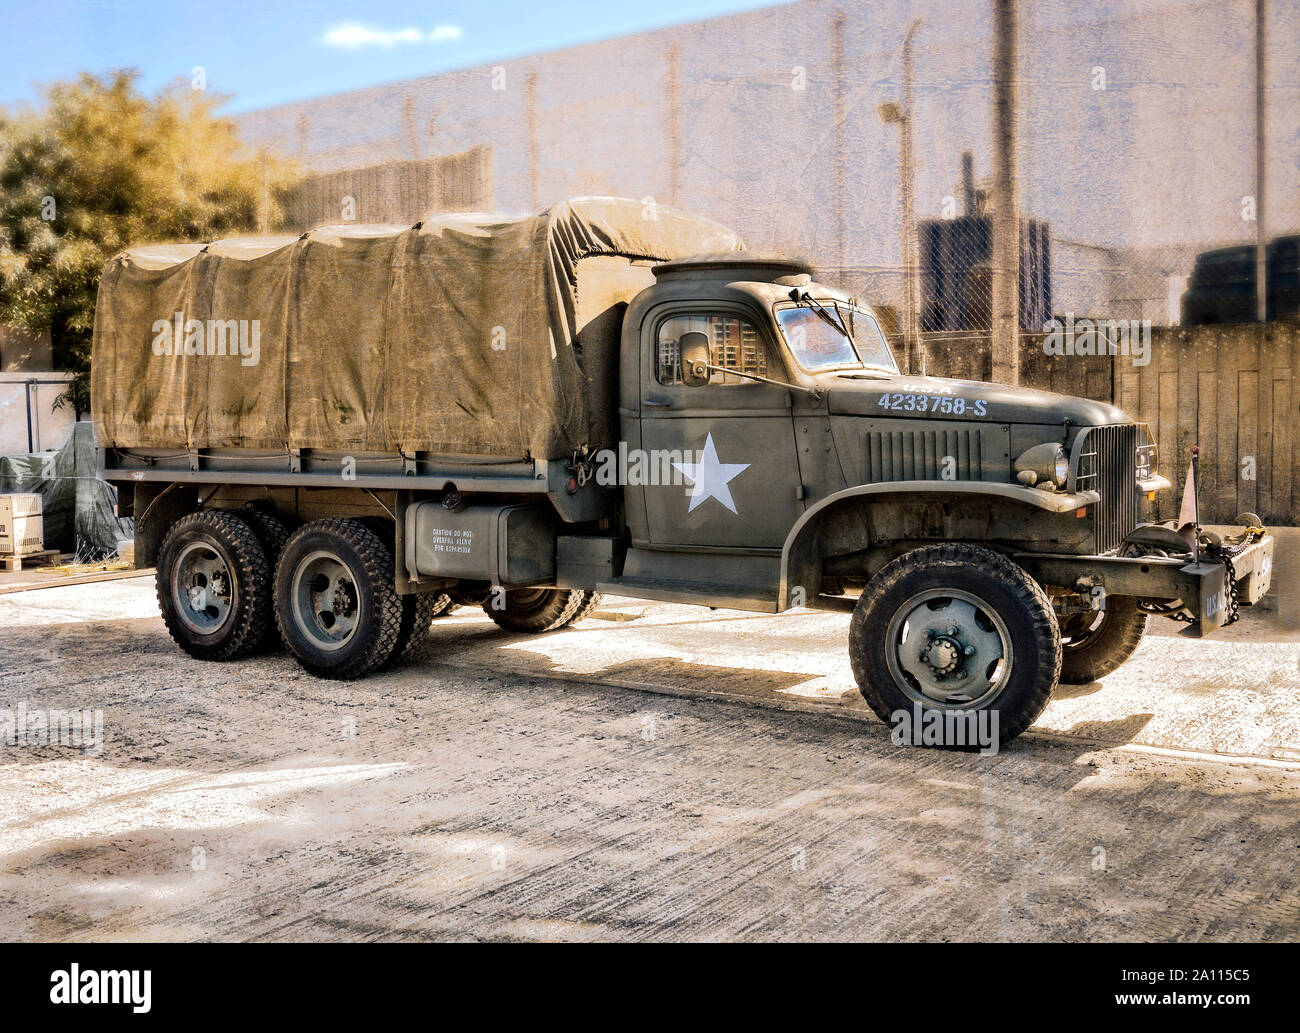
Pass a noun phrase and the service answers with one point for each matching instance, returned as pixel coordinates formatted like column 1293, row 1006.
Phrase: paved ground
column 658, row 772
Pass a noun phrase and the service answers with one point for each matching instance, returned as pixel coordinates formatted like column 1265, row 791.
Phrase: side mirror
column 694, row 346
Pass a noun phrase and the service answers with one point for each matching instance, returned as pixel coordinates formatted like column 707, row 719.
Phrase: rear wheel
column 418, row 612
column 954, row 630
column 537, row 610
column 270, row 529
column 214, row 585
column 273, row 533
column 338, row 610
column 1096, row 643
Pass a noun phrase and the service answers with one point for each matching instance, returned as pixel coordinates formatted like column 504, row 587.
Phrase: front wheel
column 946, row 632
column 537, row 610
column 1096, row 643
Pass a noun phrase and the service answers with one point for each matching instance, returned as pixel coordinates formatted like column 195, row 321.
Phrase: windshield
column 832, row 335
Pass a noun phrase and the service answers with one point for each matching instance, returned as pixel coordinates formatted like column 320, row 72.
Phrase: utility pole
column 1006, row 220
column 894, row 113
column 534, row 157
column 1261, row 241
column 674, row 84
column 911, row 321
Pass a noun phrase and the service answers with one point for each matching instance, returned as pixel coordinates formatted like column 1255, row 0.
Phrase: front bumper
column 1201, row 587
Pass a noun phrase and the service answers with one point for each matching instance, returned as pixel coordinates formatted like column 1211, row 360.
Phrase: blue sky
column 274, row 51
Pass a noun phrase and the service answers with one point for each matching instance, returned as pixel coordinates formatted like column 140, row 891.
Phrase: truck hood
column 860, row 394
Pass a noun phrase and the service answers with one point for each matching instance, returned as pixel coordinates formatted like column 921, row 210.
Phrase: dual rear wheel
column 228, row 580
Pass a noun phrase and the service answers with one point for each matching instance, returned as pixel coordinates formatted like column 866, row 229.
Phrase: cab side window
column 733, row 342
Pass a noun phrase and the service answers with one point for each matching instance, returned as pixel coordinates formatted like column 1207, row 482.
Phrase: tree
column 98, row 168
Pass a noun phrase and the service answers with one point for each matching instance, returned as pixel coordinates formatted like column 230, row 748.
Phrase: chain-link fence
column 828, row 130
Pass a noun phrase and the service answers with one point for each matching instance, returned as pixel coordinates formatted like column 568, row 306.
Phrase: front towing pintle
column 1197, row 591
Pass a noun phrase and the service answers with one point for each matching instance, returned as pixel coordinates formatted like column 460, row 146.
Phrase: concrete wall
column 767, row 121
column 28, row 420
column 395, row 191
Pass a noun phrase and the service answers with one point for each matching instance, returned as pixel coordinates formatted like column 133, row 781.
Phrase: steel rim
column 327, row 607
column 1083, row 630
column 950, row 649
column 203, row 588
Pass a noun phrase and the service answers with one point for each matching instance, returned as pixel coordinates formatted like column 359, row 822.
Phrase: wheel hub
column 943, row 654
column 326, row 603
column 202, row 588
column 950, row 648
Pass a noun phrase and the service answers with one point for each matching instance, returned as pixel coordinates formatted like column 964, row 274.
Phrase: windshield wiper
column 816, row 306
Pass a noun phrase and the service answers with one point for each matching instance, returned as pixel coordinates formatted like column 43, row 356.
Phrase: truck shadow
column 472, row 644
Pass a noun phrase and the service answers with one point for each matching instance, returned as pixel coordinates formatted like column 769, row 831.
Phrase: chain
column 1225, row 554
column 1159, row 610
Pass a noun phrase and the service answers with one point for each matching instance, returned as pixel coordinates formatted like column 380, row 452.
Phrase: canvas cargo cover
column 459, row 335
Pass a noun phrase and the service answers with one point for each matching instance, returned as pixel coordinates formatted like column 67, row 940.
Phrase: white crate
column 22, row 531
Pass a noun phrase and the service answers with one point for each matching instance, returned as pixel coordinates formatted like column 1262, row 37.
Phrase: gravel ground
column 658, row 772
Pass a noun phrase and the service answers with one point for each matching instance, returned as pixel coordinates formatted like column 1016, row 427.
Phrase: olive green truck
column 328, row 440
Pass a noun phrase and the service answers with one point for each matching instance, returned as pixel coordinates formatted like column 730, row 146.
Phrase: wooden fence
column 1232, row 390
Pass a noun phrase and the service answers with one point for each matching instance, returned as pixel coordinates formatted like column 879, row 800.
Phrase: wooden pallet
column 47, row 558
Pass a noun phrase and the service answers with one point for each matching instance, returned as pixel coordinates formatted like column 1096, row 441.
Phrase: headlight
column 1044, row 463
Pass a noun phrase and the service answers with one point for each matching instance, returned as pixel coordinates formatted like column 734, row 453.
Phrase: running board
column 720, row 597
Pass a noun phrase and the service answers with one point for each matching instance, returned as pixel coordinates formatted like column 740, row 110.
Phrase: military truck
column 329, row 440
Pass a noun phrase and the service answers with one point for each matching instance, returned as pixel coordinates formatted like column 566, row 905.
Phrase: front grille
column 919, row 455
column 1108, row 465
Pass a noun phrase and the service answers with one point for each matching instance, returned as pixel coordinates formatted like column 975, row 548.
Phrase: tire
column 273, row 533
column 418, row 612
column 534, row 611
column 1092, row 649
column 445, row 605
column 335, row 602
column 462, row 597
column 1000, row 614
column 214, row 585
column 593, row 600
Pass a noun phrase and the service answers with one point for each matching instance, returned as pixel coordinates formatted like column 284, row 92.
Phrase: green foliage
column 98, row 168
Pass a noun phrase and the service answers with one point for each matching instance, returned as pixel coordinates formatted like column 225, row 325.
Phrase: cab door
column 734, row 483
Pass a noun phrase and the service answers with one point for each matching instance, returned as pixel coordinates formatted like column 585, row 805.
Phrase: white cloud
column 354, row 36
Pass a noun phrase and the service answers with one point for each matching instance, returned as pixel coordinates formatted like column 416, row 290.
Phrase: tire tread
column 377, row 560
column 978, row 560
column 255, row 616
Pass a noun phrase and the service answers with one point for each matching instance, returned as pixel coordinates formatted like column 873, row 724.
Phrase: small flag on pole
column 1189, row 513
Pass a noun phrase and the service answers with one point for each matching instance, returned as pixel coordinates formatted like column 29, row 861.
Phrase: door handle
column 656, row 403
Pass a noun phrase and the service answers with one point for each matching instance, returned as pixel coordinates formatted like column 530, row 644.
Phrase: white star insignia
column 709, row 478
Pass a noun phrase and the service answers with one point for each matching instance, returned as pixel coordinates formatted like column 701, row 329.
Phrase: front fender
column 796, row 553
